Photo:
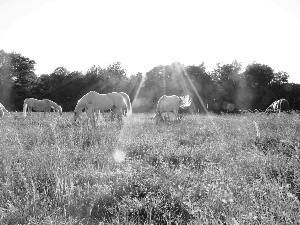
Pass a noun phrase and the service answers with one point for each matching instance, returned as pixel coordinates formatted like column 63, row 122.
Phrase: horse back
column 169, row 103
column 117, row 99
column 99, row 101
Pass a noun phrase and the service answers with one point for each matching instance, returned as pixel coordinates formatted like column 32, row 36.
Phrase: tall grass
column 216, row 169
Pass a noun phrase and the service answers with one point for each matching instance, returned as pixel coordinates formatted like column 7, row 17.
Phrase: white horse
column 126, row 108
column 3, row 110
column 44, row 105
column 93, row 102
column 280, row 105
column 170, row 104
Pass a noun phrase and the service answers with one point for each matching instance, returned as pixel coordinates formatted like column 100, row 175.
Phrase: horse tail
column 25, row 107
column 60, row 109
column 127, row 102
column 158, row 105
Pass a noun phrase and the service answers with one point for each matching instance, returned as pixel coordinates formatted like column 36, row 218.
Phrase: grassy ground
column 217, row 169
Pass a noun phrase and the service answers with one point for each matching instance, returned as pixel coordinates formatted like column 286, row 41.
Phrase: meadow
column 204, row 169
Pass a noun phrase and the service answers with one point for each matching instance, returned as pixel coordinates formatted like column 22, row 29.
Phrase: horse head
column 157, row 118
column 60, row 110
column 77, row 116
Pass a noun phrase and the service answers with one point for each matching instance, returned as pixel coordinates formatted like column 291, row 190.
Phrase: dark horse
column 281, row 105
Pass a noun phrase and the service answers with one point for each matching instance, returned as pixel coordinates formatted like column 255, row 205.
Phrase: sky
column 142, row 34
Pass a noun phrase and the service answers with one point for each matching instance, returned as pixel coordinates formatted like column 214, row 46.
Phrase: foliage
column 258, row 79
column 6, row 79
column 227, row 88
column 227, row 79
column 17, row 78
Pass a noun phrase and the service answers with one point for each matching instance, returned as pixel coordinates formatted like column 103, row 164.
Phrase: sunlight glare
column 119, row 156
column 136, row 101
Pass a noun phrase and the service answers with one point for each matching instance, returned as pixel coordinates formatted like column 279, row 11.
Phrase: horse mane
column 79, row 105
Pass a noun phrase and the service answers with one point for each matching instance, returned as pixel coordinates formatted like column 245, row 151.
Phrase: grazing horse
column 3, row 110
column 93, row 101
column 170, row 104
column 126, row 108
column 44, row 105
column 281, row 105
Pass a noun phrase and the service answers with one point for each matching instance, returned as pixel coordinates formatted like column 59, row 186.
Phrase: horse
column 281, row 105
column 44, row 105
column 3, row 110
column 93, row 101
column 170, row 104
column 126, row 108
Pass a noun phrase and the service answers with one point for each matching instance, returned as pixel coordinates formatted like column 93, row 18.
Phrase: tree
column 280, row 78
column 95, row 79
column 133, row 85
column 115, row 76
column 17, row 78
column 227, row 79
column 291, row 92
column 42, row 86
column 58, row 77
column 6, row 79
column 151, row 90
column 199, row 82
column 72, row 88
column 278, row 88
column 258, row 79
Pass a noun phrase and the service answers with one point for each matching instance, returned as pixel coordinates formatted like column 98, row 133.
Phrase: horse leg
column 119, row 113
column 163, row 116
column 91, row 116
column 176, row 114
column 113, row 113
column 97, row 115
column 124, row 111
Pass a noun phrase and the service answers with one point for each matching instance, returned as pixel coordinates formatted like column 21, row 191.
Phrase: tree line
column 227, row 88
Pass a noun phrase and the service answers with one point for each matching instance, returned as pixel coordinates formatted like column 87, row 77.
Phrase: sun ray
column 164, row 81
column 138, row 90
column 195, row 91
column 184, row 86
column 119, row 154
column 178, row 71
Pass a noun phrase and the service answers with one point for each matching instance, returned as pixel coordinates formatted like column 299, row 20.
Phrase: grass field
column 217, row 169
